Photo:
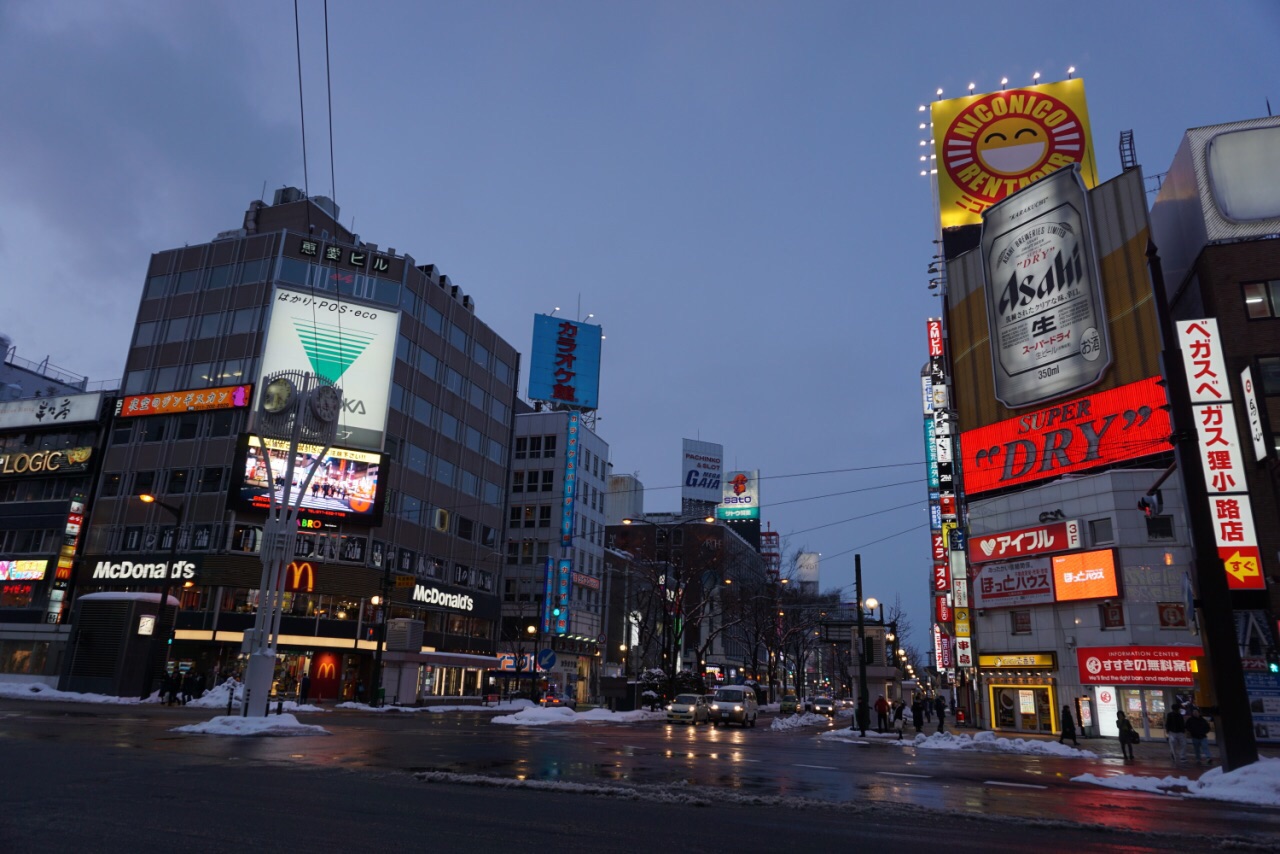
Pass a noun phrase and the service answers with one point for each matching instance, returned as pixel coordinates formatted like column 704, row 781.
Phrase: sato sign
column 740, row 497
column 1020, row 582
column 564, row 366
column 1171, row 666
column 1026, row 542
column 1100, row 429
column 350, row 344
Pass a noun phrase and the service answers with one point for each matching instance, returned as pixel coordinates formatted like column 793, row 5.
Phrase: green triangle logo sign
column 330, row 348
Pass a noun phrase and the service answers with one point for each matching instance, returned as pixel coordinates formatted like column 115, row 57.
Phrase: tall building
column 52, row 430
column 1215, row 223
column 551, row 520
column 408, row 506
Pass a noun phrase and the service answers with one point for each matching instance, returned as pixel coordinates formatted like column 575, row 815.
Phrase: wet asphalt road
column 880, row 782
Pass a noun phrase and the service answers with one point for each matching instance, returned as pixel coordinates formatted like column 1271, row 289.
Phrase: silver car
column 687, row 709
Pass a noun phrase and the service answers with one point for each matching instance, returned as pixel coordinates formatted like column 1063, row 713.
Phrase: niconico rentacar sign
column 990, row 146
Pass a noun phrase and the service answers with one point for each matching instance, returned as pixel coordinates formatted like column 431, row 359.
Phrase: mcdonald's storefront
column 329, row 628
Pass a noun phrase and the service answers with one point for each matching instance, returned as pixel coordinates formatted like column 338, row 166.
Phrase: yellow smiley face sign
column 990, row 146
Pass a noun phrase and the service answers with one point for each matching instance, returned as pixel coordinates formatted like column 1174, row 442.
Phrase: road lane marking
column 1013, row 785
column 915, row 776
column 819, row 767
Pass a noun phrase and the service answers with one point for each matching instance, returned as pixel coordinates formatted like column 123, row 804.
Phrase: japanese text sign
column 1220, row 450
column 935, row 336
column 192, row 400
column 1025, row 542
column 1021, row 582
column 1173, row 666
column 1232, row 517
column 564, row 365
column 1201, row 347
column 570, row 479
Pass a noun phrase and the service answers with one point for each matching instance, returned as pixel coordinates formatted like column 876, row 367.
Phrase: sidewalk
column 1152, row 753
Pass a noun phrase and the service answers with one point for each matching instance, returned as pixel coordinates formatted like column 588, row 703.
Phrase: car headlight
column 668, row 708
column 737, row 708
column 715, row 707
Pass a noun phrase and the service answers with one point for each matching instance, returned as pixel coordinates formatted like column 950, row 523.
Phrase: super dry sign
column 1100, row 429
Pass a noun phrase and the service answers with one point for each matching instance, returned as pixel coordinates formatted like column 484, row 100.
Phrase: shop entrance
column 1024, row 708
column 1145, row 708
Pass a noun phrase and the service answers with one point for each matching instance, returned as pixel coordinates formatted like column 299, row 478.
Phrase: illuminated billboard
column 564, row 366
column 189, row 400
column 347, row 485
column 990, row 146
column 23, row 570
column 1085, row 575
column 1047, row 322
column 741, row 496
column 1100, row 429
column 701, row 471
column 1013, row 584
column 351, row 344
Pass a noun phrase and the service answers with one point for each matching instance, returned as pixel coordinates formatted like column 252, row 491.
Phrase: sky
column 731, row 189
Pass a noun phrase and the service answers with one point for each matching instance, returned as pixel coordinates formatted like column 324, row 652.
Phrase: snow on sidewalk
column 982, row 742
column 41, row 691
column 1257, row 784
column 537, row 716
column 236, row 725
column 505, row 706
column 790, row 722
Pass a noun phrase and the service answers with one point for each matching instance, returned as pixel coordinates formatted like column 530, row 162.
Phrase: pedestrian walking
column 171, row 688
column 304, row 689
column 882, row 714
column 1128, row 736
column 1068, row 727
column 899, row 712
column 928, row 709
column 917, row 714
column 1198, row 730
column 940, row 706
column 1175, row 729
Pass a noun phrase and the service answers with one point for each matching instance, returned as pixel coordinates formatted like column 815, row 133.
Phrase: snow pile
column 536, row 716
column 216, row 697
column 270, row 725
column 41, row 691
column 1258, row 784
column 989, row 742
column 791, row 722
column 852, row 736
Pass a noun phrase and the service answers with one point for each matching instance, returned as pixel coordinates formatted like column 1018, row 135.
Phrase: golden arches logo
column 326, row 670
column 296, row 574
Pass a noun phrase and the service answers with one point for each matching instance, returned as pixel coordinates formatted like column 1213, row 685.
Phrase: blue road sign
column 546, row 658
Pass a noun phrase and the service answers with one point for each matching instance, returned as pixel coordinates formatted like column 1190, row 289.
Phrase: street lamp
column 178, row 511
column 533, row 663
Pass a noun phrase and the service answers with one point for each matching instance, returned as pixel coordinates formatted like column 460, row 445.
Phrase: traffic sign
column 546, row 658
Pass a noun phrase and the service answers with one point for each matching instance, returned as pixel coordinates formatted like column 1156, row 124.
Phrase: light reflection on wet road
column 758, row 762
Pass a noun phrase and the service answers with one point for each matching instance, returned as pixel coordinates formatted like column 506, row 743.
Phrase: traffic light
column 1273, row 660
column 1151, row 504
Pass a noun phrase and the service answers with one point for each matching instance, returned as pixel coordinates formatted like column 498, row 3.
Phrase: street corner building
column 405, row 509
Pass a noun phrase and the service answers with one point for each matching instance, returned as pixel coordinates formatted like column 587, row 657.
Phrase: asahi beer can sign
column 1044, row 293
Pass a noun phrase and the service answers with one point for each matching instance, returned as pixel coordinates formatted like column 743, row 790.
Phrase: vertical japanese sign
column 560, row 607
column 1255, row 415
column 564, row 366
column 548, row 595
column 570, row 479
column 1047, row 322
column 1221, row 453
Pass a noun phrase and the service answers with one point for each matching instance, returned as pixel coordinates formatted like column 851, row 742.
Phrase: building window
column 548, row 480
column 522, row 448
column 210, row 479
column 188, row 424
column 152, row 429
column 111, row 484
column 1020, row 622
column 1100, row 531
column 1173, row 615
column 1159, row 527
column 1262, row 299
column 1112, row 615
column 517, row 481
column 548, row 447
column 544, row 516
column 1269, row 374
column 462, row 575
column 535, row 447
column 144, row 483
column 222, row 423
column 466, row 528
column 178, row 479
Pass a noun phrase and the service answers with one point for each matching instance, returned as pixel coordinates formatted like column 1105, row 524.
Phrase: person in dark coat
column 917, row 714
column 171, row 686
column 1068, row 727
column 899, row 712
column 1128, row 736
column 940, row 706
column 304, row 689
column 1198, row 732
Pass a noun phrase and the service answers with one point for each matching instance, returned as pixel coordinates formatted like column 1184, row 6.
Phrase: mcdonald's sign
column 299, row 577
column 327, row 669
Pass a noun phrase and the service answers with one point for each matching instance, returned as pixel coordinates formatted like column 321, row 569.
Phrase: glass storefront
column 1023, row 707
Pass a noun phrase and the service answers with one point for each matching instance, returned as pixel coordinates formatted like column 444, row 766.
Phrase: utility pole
column 864, row 710
column 1233, row 718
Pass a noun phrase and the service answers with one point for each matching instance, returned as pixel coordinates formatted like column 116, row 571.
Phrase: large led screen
column 1085, row 575
column 345, row 486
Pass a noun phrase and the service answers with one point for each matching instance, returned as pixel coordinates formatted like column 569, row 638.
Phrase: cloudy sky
column 732, row 189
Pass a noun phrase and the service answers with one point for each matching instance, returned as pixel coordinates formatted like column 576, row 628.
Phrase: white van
column 734, row 704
